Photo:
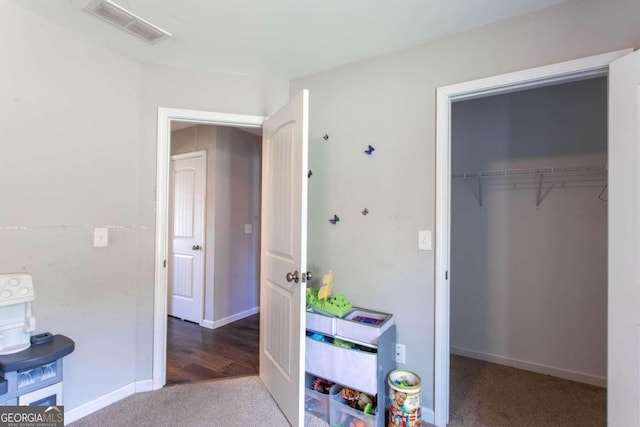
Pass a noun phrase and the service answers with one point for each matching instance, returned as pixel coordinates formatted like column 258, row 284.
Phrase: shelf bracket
column 540, row 197
column 477, row 194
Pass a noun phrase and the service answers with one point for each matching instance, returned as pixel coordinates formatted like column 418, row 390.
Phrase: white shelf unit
column 364, row 371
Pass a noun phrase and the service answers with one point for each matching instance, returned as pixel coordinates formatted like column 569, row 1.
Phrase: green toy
column 338, row 305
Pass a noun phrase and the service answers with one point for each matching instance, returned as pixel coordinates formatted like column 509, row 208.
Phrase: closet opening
column 528, row 255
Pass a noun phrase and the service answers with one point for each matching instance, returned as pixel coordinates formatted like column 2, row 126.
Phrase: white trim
column 165, row 117
column 144, row 386
column 564, row 71
column 427, row 415
column 103, row 401
column 207, row 324
column 532, row 366
column 233, row 318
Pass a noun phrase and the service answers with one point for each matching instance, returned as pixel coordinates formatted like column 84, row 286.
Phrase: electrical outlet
column 400, row 353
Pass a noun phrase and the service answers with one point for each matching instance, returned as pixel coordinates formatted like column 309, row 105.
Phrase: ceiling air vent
column 125, row 20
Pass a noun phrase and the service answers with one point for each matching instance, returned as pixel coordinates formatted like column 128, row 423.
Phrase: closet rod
column 593, row 170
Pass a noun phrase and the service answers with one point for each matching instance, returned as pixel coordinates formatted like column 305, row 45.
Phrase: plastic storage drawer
column 343, row 415
column 317, row 404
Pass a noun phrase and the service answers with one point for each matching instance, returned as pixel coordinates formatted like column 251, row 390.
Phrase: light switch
column 248, row 229
column 100, row 237
column 424, row 240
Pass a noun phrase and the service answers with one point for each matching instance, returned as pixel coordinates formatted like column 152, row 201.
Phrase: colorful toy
column 404, row 381
column 342, row 343
column 404, row 396
column 358, row 400
column 320, row 299
column 321, row 385
column 327, row 283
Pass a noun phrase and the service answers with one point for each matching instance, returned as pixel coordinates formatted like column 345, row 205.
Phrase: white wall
column 238, row 203
column 69, row 138
column 233, row 195
column 389, row 102
column 78, row 139
column 529, row 285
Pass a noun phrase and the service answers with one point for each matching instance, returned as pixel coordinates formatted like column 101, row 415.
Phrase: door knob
column 293, row 277
column 196, row 247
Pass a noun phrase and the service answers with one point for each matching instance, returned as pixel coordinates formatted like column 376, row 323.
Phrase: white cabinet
column 356, row 351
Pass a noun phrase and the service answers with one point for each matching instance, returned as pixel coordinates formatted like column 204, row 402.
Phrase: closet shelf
column 595, row 170
column 555, row 174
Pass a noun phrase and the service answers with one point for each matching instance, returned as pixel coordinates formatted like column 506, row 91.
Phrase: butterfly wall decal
column 369, row 150
column 334, row 220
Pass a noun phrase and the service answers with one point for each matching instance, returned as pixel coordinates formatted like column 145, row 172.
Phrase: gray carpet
column 221, row 403
column 487, row 394
column 482, row 395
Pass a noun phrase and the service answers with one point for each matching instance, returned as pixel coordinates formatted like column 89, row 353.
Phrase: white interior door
column 623, row 363
column 284, row 251
column 186, row 260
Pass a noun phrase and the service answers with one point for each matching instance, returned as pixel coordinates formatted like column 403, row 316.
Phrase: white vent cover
column 122, row 18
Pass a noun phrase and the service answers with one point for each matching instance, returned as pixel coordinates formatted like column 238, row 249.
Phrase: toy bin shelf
column 364, row 367
column 315, row 402
column 343, row 415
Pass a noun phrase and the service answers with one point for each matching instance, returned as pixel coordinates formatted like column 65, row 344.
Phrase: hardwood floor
column 195, row 353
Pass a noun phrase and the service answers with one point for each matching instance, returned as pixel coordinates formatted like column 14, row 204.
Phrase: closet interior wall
column 528, row 282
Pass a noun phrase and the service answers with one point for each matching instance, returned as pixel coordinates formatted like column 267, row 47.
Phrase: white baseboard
column 428, row 415
column 532, row 366
column 144, row 385
column 233, row 318
column 105, row 400
column 207, row 324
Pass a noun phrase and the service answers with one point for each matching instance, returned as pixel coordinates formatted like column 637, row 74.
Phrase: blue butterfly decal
column 334, row 220
column 369, row 150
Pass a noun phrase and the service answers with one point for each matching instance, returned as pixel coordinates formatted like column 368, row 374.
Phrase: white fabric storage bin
column 350, row 328
column 321, row 323
column 337, row 364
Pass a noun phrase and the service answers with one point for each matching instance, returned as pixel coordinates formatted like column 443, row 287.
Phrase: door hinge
column 164, row 263
column 446, row 275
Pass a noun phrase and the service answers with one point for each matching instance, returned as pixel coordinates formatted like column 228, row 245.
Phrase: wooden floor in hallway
column 195, row 353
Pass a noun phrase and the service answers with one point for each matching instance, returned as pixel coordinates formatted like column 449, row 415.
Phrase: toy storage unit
column 364, row 371
column 30, row 366
column 33, row 377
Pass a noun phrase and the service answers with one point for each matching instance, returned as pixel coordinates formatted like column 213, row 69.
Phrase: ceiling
column 281, row 38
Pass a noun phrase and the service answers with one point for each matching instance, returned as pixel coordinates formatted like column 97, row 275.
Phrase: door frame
column 163, row 158
column 202, row 155
column 593, row 66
